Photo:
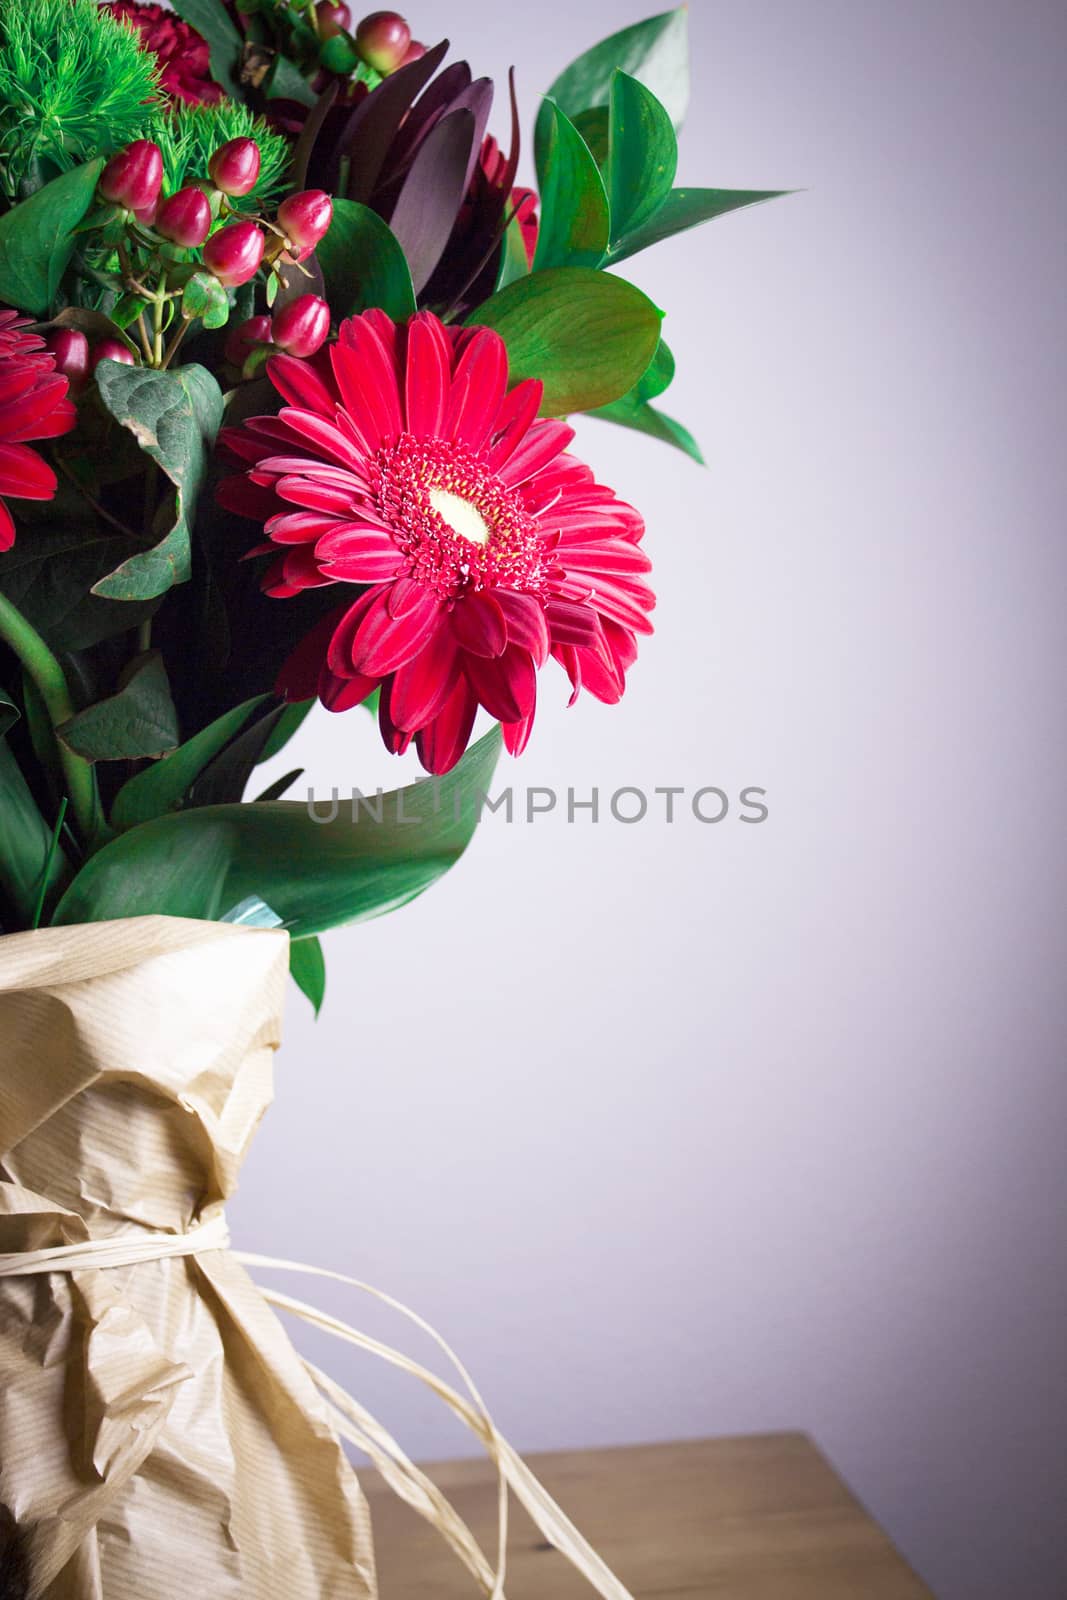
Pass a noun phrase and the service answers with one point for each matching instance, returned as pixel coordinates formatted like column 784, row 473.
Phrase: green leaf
column 36, row 238
column 642, row 155
column 634, row 410
column 574, row 226
column 514, row 262
column 174, row 416
column 210, row 19
column 50, row 572
column 308, row 967
column 655, row 52
column 316, row 871
column 223, row 780
column 162, row 786
column 593, row 125
column 9, row 713
column 287, row 724
column 204, row 297
column 25, row 844
column 137, row 722
column 646, row 419
column 587, row 335
column 275, row 790
column 287, row 82
column 687, row 208
column 363, row 264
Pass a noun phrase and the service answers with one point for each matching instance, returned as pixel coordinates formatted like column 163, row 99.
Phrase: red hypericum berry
column 147, row 214
column 133, row 177
column 112, row 350
column 70, row 348
column 234, row 167
column 414, row 50
column 383, row 39
column 300, row 328
column 305, row 219
column 185, row 218
column 234, row 253
column 243, row 339
column 332, row 19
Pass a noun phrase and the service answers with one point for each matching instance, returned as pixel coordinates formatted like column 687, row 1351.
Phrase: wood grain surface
column 755, row 1518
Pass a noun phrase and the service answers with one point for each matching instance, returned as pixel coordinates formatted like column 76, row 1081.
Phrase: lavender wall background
column 687, row 1130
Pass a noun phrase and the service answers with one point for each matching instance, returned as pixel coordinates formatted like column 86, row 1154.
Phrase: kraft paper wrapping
column 159, row 1435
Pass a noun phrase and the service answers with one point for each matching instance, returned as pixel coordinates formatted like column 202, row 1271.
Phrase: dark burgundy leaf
column 425, row 212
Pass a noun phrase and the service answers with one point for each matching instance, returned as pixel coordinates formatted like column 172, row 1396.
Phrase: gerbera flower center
column 460, row 515
column 460, row 526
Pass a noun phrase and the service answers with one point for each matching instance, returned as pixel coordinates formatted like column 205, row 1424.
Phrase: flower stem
column 47, row 674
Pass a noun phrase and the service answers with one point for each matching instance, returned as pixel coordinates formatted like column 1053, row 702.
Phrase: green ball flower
column 74, row 84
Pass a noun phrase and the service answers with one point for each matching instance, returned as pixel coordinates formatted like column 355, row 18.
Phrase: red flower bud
column 383, row 39
column 185, row 218
column 243, row 339
column 414, row 50
column 112, row 350
column 234, row 167
column 133, row 177
column 332, row 19
column 305, row 218
column 70, row 348
column 301, row 326
column 234, row 253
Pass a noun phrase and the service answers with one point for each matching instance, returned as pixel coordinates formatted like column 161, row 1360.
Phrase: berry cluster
column 180, row 255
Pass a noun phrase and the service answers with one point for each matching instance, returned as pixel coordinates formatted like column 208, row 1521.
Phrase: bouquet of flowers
column 286, row 358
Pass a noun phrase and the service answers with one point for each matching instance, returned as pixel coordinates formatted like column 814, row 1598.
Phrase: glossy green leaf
column 315, row 869
column 514, row 262
column 212, row 22
column 291, row 719
column 634, row 410
column 136, row 723
column 363, row 264
column 587, row 335
column 574, row 225
column 50, row 572
column 174, row 416
column 655, row 51
column 287, row 82
column 593, row 125
column 280, row 786
column 307, row 964
column 25, row 845
column 37, row 238
column 162, row 786
column 642, row 155
column 687, row 208
column 204, row 297
column 224, row 779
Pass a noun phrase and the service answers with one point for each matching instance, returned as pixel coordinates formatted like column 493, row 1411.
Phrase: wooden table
column 759, row 1518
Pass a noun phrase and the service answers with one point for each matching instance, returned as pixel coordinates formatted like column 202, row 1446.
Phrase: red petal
column 300, row 385
column 7, row 528
column 427, row 378
column 367, row 381
column 478, row 386
column 441, row 743
column 26, row 411
column 507, row 686
column 339, row 654
column 341, row 694
column 517, row 735
column 418, row 691
column 384, row 643
column 571, row 623
column 544, row 442
column 479, row 626
column 24, row 475
column 526, row 622
column 324, row 438
column 514, row 420
column 299, row 677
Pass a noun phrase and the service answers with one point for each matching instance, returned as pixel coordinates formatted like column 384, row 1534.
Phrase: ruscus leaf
column 363, row 264
column 37, row 238
column 574, row 227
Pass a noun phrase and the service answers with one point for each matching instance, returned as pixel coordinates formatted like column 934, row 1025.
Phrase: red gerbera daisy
column 33, row 405
column 401, row 463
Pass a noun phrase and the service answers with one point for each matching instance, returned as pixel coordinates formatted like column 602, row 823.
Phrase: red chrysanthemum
column 401, row 463
column 33, row 405
column 183, row 56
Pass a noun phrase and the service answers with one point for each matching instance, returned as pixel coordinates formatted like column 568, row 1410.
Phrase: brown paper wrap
column 159, row 1435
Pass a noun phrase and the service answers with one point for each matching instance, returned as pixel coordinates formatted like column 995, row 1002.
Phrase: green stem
column 47, row 674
